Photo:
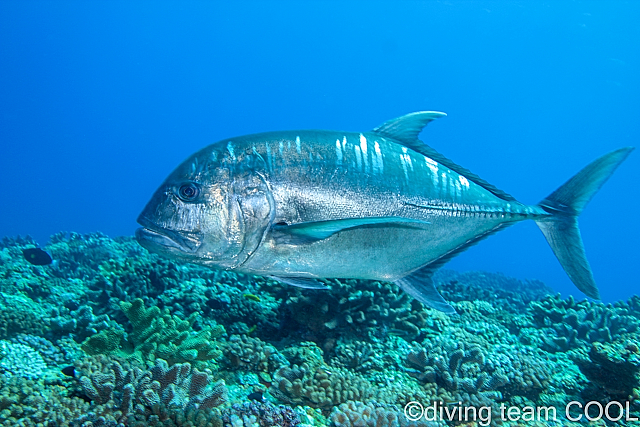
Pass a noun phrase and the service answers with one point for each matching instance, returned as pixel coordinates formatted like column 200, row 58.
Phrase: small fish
column 69, row 371
column 252, row 297
column 302, row 206
column 37, row 256
column 256, row 395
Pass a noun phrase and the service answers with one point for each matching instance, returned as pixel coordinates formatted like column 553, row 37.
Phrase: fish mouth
column 162, row 240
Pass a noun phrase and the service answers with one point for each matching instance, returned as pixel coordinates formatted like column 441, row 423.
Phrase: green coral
column 157, row 334
column 108, row 341
column 20, row 314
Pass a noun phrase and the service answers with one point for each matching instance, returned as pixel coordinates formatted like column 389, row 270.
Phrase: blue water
column 99, row 101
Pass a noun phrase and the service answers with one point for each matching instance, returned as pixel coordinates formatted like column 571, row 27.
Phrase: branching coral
column 80, row 323
column 126, row 392
column 459, row 370
column 357, row 307
column 158, row 334
column 573, row 324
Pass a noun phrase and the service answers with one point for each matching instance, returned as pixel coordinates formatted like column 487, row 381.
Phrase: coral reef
column 20, row 360
column 355, row 414
column 157, row 334
column 570, row 324
column 263, row 414
column 124, row 392
column 512, row 295
column 319, row 386
column 359, row 356
column 354, row 307
column 248, row 353
column 19, row 314
column 460, row 374
column 613, row 370
column 165, row 344
column 25, row 402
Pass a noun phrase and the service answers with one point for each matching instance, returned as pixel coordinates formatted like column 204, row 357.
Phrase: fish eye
column 189, row 191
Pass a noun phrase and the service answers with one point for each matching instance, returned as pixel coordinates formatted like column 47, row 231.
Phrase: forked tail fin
column 565, row 204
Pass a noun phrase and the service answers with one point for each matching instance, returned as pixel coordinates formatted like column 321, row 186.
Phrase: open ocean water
column 100, row 101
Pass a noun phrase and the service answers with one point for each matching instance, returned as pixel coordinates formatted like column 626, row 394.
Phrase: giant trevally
column 298, row 206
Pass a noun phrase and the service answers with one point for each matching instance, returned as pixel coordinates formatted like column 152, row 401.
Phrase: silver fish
column 299, row 206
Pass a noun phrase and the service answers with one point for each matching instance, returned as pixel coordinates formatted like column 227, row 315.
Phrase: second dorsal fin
column 405, row 130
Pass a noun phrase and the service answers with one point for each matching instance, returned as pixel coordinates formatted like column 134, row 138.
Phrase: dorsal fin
column 405, row 130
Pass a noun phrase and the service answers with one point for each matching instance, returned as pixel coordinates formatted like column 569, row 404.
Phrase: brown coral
column 319, row 386
column 25, row 402
column 123, row 390
column 245, row 352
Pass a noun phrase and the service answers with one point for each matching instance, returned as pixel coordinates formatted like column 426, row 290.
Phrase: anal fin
column 420, row 285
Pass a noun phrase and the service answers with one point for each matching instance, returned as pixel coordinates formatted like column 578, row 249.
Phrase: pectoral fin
column 306, row 232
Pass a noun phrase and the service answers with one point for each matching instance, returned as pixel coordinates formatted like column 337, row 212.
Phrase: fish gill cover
column 102, row 100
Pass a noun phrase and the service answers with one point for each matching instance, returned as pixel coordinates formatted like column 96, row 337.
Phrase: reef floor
column 110, row 335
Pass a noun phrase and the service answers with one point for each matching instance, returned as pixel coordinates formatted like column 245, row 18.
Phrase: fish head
column 212, row 210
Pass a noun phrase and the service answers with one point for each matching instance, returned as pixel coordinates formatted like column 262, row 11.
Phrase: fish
column 302, row 207
column 37, row 256
column 252, row 297
column 256, row 395
column 69, row 371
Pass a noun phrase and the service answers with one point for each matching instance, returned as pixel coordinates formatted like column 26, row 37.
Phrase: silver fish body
column 306, row 205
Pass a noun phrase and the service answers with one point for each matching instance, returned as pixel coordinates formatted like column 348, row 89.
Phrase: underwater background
column 101, row 100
